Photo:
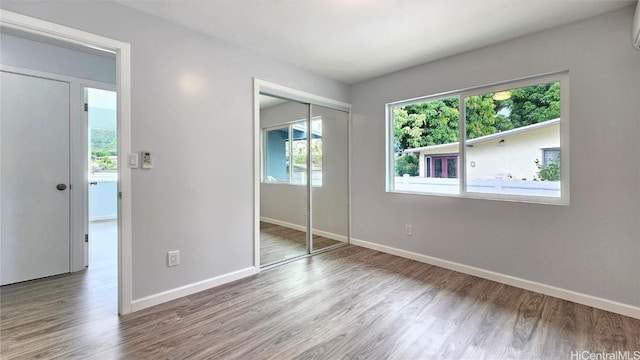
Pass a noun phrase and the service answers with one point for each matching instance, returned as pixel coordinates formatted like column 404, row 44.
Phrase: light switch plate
column 132, row 160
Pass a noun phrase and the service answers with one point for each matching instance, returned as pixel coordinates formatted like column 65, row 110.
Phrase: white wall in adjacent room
column 50, row 58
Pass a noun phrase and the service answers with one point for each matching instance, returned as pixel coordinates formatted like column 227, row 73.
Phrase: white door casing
column 35, row 235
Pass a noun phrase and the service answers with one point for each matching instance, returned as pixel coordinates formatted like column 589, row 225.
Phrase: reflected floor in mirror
column 278, row 243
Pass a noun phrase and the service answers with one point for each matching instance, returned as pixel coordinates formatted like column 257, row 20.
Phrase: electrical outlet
column 173, row 258
column 408, row 229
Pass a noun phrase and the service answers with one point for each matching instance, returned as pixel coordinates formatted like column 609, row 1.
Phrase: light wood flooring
column 348, row 303
column 278, row 243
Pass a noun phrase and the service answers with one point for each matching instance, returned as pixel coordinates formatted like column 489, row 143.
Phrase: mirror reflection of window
column 285, row 155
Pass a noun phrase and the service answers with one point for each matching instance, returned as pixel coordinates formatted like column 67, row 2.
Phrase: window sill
column 286, row 183
column 492, row 197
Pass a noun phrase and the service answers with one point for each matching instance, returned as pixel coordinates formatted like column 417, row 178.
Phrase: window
column 550, row 155
column 285, row 155
column 500, row 142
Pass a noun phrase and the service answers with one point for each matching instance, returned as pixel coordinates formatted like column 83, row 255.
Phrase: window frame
column 562, row 77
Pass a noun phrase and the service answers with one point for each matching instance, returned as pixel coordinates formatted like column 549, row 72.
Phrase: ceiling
column 267, row 101
column 355, row 40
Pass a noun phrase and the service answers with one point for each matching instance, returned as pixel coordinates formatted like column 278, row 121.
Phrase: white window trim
column 562, row 77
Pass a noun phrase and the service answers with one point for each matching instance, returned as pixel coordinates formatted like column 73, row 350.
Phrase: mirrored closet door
column 298, row 142
column 330, row 169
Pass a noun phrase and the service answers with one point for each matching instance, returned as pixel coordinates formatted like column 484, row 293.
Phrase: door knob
column 61, row 187
column 93, row 183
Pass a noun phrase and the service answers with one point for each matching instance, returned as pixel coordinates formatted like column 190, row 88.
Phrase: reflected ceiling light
column 502, row 95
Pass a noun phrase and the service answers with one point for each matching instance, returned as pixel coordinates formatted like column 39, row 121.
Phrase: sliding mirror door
column 330, row 172
column 283, row 190
column 304, row 178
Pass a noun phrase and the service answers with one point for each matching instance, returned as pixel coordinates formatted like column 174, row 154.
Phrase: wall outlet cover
column 173, row 258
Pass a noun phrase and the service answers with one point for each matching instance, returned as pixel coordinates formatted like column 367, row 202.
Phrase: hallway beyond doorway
column 103, row 238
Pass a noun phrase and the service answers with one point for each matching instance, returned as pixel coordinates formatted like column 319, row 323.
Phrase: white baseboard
column 580, row 298
column 182, row 291
column 322, row 233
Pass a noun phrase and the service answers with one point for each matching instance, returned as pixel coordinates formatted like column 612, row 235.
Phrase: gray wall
column 330, row 201
column 192, row 107
column 29, row 54
column 590, row 247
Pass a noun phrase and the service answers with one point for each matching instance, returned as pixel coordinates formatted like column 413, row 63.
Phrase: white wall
column 591, row 246
column 34, row 55
column 192, row 107
column 514, row 157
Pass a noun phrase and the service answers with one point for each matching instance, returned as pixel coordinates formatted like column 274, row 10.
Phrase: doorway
column 102, row 198
column 303, row 176
column 59, row 34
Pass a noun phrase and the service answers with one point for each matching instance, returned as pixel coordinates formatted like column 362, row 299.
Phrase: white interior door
column 35, row 209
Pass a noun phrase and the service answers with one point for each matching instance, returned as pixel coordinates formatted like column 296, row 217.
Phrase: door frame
column 122, row 51
column 261, row 86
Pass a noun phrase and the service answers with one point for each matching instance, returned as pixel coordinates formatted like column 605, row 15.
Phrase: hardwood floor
column 349, row 303
column 54, row 316
column 278, row 243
